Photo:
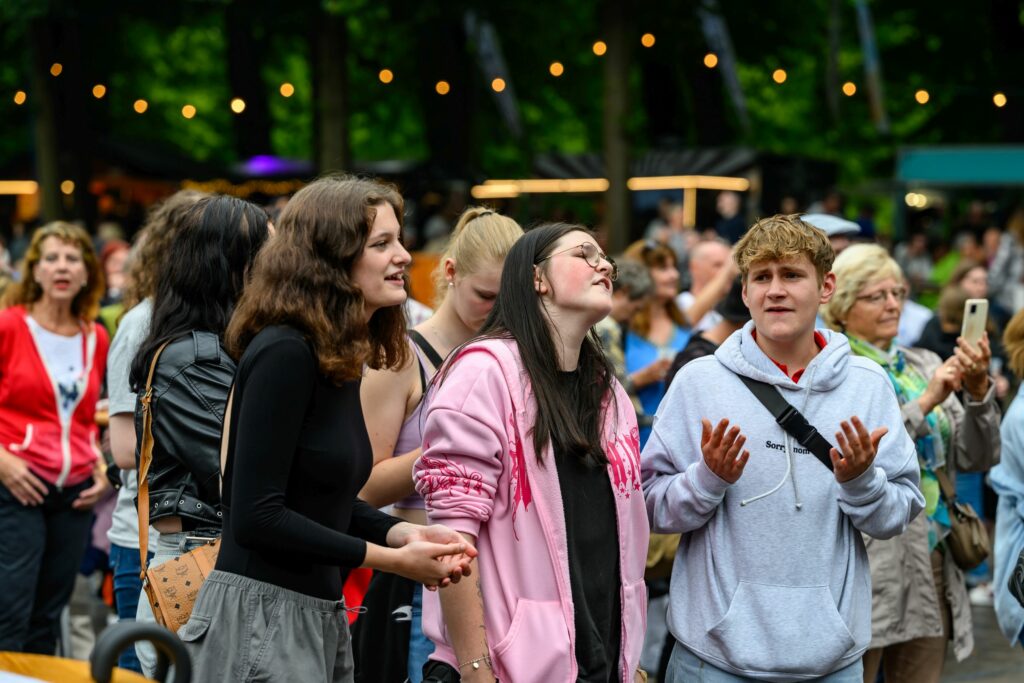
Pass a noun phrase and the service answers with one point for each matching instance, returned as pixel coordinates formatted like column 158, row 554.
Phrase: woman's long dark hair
column 202, row 274
column 573, row 428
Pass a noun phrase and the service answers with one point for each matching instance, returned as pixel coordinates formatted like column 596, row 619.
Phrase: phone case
column 975, row 318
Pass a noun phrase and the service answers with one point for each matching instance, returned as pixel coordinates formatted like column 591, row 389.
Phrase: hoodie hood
column 826, row 371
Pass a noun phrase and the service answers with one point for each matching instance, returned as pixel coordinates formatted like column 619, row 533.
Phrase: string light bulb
column 237, row 105
column 849, row 88
column 711, row 60
column 99, row 90
column 556, row 69
column 386, row 76
column 647, row 40
column 442, row 87
column 999, row 99
column 56, row 69
column 600, row 47
column 20, row 97
column 67, row 187
column 922, row 96
column 188, row 111
column 779, row 76
column 287, row 90
column 498, row 84
column 140, row 106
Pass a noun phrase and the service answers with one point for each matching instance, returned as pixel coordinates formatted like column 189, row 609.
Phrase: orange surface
column 58, row 670
column 420, row 285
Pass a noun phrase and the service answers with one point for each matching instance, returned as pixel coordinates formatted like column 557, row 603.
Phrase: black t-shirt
column 298, row 456
column 593, row 549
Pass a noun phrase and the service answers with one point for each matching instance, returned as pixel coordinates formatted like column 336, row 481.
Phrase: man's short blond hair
column 782, row 237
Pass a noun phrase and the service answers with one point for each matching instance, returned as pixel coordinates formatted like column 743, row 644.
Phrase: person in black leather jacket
column 197, row 287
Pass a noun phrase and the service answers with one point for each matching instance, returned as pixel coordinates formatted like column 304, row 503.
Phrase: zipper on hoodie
column 88, row 352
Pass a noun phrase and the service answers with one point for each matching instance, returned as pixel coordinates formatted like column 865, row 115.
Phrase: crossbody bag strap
column 429, row 351
column 224, row 437
column 145, row 459
column 945, row 485
column 791, row 419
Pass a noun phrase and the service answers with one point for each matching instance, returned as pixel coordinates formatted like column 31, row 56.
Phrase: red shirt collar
column 819, row 341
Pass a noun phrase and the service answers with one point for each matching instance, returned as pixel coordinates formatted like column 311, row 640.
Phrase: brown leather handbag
column 968, row 540
column 172, row 586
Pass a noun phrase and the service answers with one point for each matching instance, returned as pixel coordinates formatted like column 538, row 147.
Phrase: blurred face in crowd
column 114, row 269
column 875, row 314
column 975, row 283
column 706, row 259
column 665, row 277
column 624, row 306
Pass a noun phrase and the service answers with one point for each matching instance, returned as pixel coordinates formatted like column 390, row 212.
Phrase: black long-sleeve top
column 298, row 453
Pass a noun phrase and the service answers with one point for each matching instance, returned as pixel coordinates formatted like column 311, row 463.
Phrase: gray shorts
column 247, row 630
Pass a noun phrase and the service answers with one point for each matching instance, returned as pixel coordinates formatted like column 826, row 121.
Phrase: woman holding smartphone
column 919, row 599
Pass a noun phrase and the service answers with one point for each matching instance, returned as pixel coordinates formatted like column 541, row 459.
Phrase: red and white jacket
column 62, row 453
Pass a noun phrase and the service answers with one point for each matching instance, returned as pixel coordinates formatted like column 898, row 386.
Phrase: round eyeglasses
column 589, row 252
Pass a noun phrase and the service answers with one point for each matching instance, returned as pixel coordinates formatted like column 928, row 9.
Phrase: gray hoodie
column 771, row 580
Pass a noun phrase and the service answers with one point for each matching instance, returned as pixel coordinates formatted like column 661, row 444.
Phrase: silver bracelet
column 475, row 663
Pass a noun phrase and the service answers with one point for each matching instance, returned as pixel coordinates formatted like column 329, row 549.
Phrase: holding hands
column 435, row 555
column 723, row 450
column 857, row 449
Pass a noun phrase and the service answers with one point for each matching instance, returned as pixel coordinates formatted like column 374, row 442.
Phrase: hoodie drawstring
column 790, row 458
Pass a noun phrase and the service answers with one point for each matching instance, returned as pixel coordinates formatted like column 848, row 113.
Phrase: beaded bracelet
column 475, row 663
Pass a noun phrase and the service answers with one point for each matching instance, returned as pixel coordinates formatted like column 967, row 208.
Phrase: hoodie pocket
column 536, row 647
column 791, row 629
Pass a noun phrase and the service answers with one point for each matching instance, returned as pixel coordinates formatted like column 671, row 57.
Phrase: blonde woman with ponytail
column 466, row 282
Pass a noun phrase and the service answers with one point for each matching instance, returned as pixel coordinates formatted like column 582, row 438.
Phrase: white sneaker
column 981, row 595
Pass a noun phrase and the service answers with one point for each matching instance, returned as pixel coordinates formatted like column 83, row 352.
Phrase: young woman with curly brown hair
column 324, row 299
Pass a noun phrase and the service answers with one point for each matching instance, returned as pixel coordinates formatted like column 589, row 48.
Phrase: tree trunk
column 616, row 147
column 330, row 93
column 44, row 105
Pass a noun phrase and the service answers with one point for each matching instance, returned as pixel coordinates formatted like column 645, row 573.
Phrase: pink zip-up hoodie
column 479, row 475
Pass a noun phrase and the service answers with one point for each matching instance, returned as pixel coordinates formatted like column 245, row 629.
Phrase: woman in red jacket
column 52, row 359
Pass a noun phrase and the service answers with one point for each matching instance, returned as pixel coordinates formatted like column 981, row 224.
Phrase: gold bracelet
column 475, row 663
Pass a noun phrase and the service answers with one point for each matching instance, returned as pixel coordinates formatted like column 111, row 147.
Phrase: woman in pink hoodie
column 530, row 450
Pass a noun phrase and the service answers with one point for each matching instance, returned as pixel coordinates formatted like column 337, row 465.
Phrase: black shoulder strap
column 790, row 419
column 427, row 349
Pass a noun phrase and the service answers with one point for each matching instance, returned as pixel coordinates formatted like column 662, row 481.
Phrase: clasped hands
column 722, row 447
column 435, row 555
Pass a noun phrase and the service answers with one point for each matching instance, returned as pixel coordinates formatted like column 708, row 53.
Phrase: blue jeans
column 686, row 667
column 127, row 586
column 420, row 647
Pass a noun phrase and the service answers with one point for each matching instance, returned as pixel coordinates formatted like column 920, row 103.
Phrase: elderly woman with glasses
column 919, row 600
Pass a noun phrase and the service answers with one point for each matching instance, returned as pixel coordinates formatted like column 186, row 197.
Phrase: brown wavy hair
column 151, row 247
column 25, row 292
column 302, row 278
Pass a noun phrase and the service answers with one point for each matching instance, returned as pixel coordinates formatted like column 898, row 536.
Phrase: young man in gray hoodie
column 771, row 580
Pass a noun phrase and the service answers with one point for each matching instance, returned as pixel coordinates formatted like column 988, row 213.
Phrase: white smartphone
column 975, row 319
